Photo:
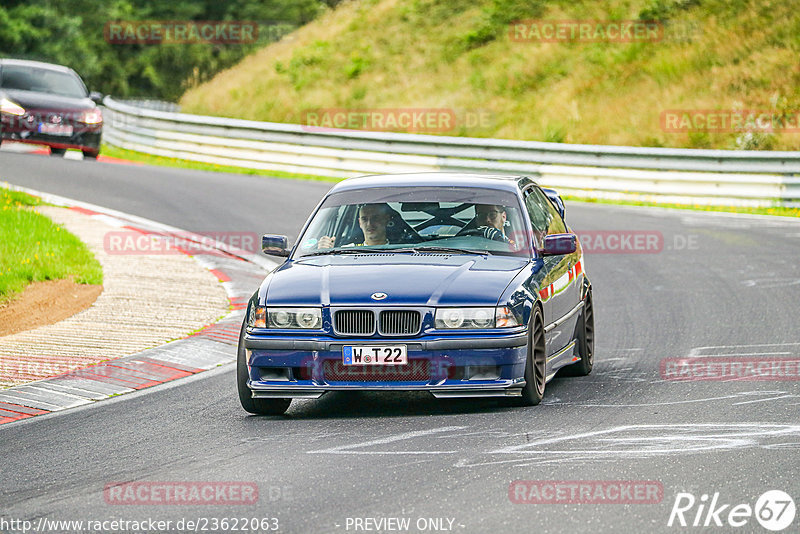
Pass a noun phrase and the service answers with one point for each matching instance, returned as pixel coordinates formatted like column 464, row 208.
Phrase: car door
column 559, row 291
column 569, row 284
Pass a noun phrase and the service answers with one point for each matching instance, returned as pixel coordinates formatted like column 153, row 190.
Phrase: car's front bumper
column 83, row 137
column 444, row 365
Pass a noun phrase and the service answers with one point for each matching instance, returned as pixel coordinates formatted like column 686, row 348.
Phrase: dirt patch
column 43, row 303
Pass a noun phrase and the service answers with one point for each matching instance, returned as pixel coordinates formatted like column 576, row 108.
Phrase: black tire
column 90, row 154
column 254, row 406
column 57, row 152
column 536, row 364
column 585, row 337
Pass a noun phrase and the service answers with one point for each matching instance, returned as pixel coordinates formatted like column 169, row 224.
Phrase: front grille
column 414, row 371
column 400, row 322
column 355, row 322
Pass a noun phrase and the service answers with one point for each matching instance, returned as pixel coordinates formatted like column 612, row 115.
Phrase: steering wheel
column 486, row 232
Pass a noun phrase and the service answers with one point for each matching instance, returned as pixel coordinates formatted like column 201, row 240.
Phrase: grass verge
column 34, row 248
column 148, row 159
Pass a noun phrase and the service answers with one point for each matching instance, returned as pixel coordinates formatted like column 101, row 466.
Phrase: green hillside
column 460, row 56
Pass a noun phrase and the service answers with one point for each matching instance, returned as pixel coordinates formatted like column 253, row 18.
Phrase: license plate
column 55, row 129
column 374, row 355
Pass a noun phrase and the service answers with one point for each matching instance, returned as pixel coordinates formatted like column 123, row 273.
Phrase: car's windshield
column 42, row 81
column 408, row 219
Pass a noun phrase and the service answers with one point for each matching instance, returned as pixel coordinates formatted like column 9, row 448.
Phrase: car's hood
column 48, row 101
column 407, row 280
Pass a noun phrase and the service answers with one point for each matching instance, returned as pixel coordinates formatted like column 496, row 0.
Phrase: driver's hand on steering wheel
column 490, row 232
column 326, row 242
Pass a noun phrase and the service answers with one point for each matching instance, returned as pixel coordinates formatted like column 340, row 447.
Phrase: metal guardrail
column 148, row 103
column 725, row 177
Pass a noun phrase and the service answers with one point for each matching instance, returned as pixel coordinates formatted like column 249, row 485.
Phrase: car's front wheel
column 536, row 363
column 254, row 406
column 58, row 152
column 90, row 154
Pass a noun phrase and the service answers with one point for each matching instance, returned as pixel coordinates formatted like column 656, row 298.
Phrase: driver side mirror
column 96, row 97
column 557, row 244
column 275, row 245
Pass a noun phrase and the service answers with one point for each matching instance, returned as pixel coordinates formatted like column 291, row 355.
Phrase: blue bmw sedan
column 458, row 284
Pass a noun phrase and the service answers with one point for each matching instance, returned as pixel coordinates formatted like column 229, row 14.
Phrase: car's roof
column 430, row 179
column 37, row 64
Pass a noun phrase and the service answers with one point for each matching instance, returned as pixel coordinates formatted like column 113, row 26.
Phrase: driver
column 491, row 221
column 373, row 220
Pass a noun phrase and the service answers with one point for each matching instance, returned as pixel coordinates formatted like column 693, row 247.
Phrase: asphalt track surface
column 721, row 287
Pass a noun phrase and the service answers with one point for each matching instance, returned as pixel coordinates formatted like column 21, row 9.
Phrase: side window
column 553, row 223
column 538, row 214
column 556, row 225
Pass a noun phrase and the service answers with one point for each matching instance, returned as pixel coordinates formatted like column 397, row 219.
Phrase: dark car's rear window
column 41, row 80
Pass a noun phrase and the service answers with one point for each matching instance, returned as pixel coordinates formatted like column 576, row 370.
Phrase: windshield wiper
column 348, row 250
column 433, row 248
column 414, row 250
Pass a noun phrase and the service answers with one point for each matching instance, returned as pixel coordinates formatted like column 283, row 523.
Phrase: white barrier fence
column 723, row 177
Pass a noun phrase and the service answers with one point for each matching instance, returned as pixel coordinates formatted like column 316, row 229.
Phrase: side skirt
column 567, row 361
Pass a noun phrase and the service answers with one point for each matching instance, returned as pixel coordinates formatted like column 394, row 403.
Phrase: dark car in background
column 46, row 104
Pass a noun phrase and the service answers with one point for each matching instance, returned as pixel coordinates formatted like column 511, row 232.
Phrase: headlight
column 92, row 116
column 483, row 318
column 309, row 318
column 280, row 319
column 453, row 318
column 475, row 318
column 11, row 108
